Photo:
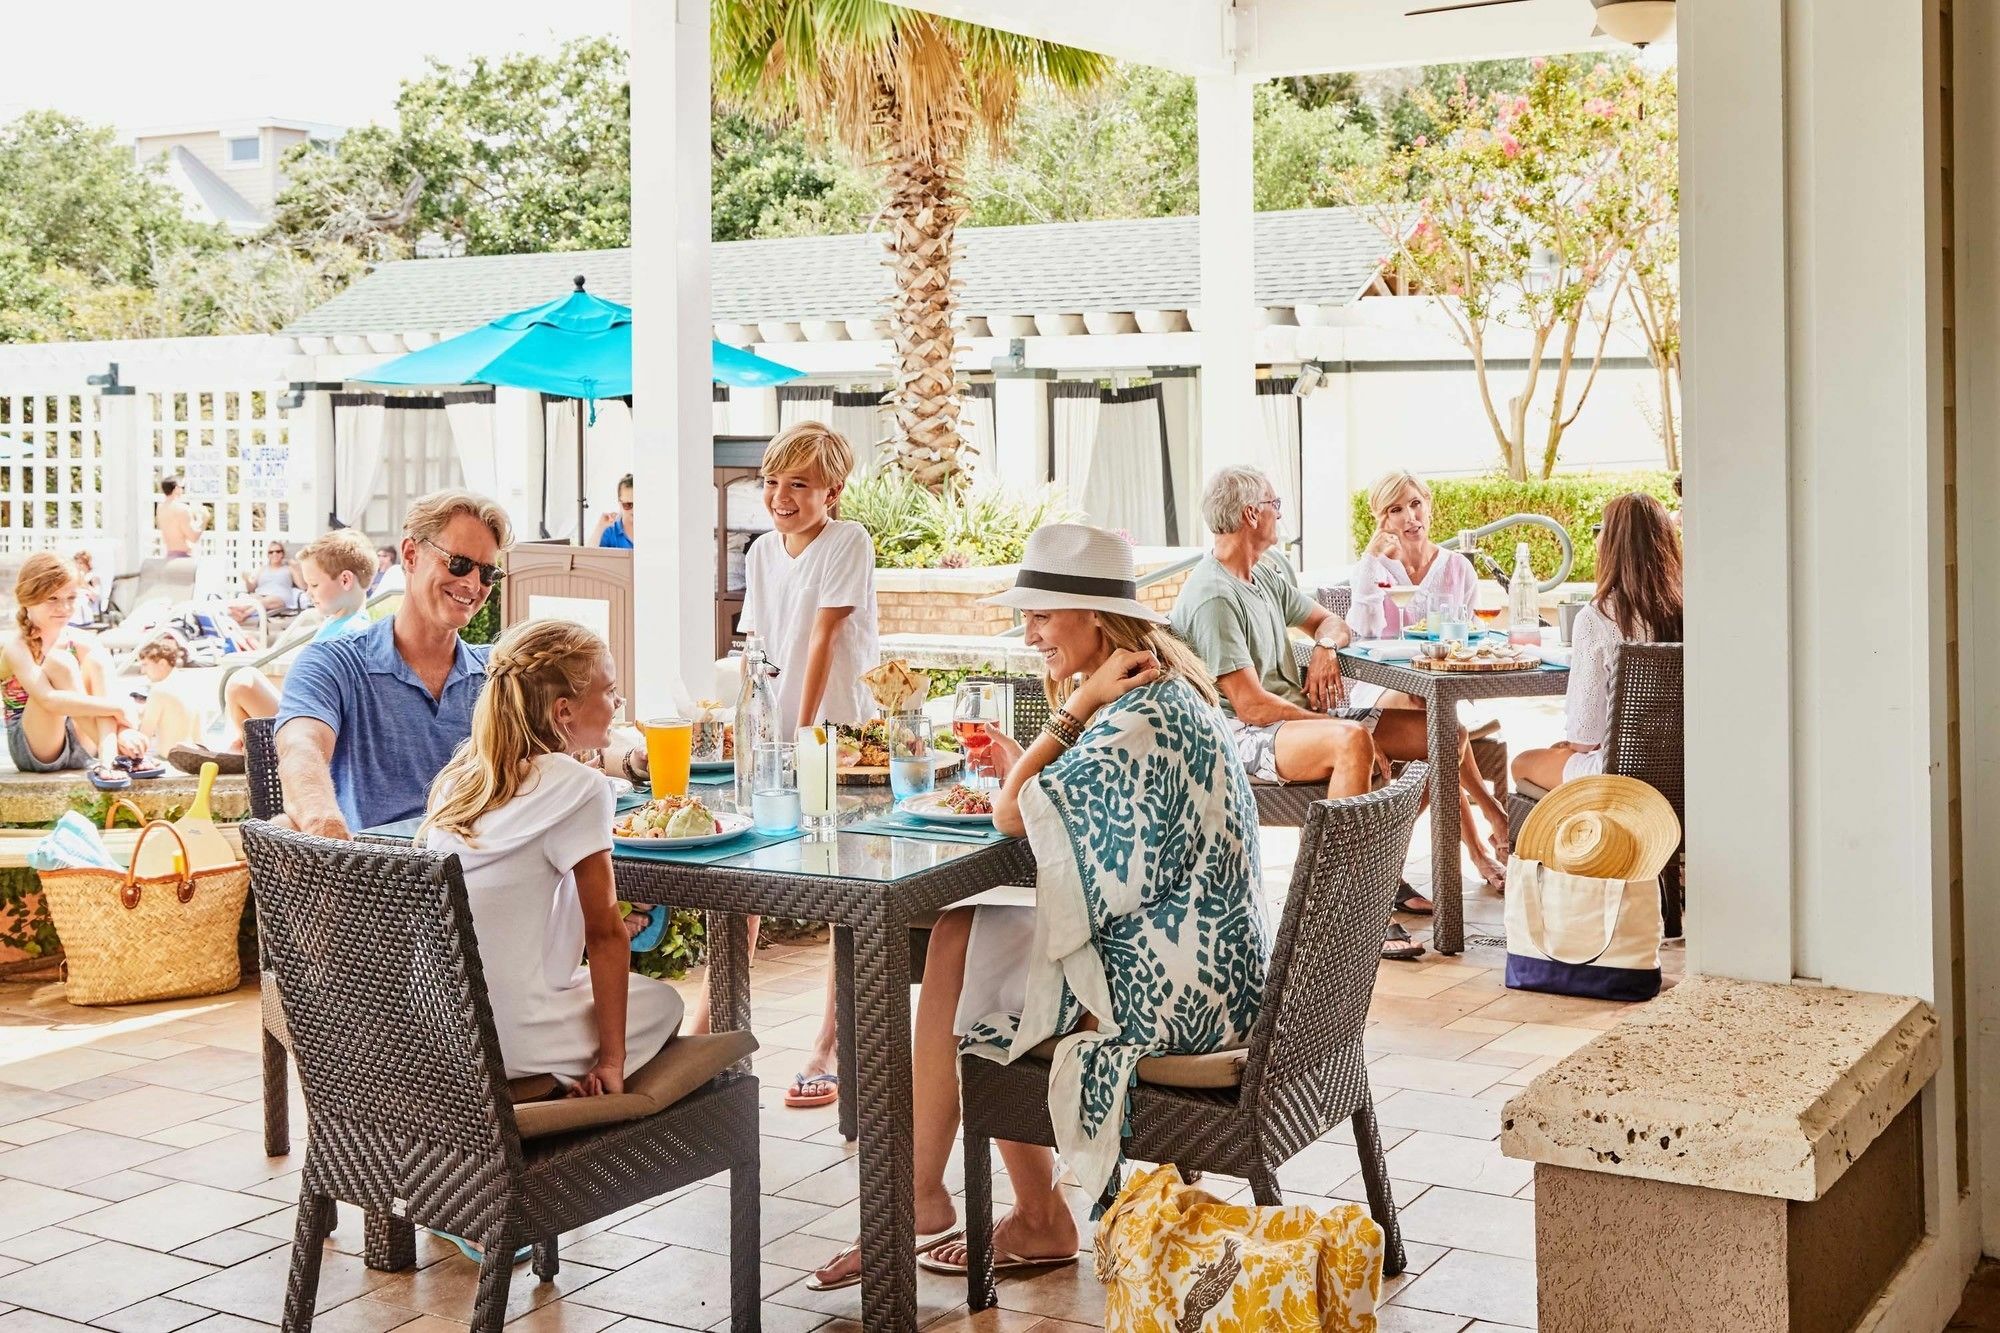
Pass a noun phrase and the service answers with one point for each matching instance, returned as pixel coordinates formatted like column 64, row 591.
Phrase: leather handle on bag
column 129, row 894
column 111, row 814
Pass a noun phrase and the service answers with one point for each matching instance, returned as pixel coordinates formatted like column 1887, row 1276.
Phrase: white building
column 231, row 172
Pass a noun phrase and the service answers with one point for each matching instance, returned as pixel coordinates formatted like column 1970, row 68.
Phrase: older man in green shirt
column 1237, row 609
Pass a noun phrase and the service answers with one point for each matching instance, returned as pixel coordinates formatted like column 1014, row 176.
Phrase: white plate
column 931, row 808
column 712, row 766
column 733, row 826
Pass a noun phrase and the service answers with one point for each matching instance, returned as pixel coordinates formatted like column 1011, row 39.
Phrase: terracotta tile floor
column 135, row 1196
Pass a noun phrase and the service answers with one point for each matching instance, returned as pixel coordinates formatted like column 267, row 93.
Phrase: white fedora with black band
column 1075, row 567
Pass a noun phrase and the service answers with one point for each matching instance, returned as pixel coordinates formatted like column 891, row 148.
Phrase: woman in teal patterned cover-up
column 1147, row 934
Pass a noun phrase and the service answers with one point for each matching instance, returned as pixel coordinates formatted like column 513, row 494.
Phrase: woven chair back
column 260, row 761
column 1337, row 599
column 1030, row 704
column 379, row 971
column 1323, row 960
column 1647, row 738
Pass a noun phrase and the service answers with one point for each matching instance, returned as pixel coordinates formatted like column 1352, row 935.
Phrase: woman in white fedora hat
column 1147, row 934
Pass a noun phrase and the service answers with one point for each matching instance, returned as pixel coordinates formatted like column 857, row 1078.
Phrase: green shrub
column 914, row 529
column 485, row 626
column 678, row 950
column 1574, row 500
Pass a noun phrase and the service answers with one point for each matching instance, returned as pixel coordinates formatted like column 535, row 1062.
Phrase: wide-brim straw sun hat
column 1606, row 826
column 1075, row 567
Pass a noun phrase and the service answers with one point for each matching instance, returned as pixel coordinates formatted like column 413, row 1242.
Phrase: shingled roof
column 1319, row 256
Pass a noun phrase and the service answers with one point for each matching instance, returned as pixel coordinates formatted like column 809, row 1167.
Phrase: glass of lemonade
column 819, row 779
column 911, row 771
column 774, row 788
column 669, row 752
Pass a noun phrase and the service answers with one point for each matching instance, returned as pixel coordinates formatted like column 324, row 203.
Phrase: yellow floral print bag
column 1176, row 1259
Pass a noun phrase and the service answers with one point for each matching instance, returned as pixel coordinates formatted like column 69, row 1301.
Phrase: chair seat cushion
column 683, row 1064
column 1210, row 1069
column 1529, row 789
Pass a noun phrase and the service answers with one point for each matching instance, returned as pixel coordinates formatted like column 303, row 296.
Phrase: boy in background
column 337, row 569
column 810, row 593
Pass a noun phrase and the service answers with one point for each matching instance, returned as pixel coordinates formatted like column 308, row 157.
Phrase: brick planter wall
column 946, row 602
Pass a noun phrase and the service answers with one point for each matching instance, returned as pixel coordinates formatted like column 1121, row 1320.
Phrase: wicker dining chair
column 386, row 1002
column 267, row 802
column 1246, row 1112
column 1647, row 742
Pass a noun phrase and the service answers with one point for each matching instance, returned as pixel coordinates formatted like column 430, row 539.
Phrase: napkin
column 1389, row 650
column 1555, row 654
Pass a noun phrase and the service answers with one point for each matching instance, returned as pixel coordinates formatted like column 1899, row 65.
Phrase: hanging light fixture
column 1639, row 22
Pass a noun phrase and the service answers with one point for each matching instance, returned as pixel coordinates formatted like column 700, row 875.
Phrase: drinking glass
column 974, row 712
column 1453, row 625
column 819, row 779
column 1488, row 607
column 911, row 772
column 774, row 787
column 669, row 752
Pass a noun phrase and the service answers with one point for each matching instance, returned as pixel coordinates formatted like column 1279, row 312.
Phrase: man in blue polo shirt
column 367, row 721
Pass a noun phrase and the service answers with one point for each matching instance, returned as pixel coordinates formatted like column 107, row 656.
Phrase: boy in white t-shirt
column 810, row 593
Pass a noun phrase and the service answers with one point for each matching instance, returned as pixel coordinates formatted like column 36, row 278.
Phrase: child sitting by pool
column 337, row 569
column 531, row 826
column 165, row 720
column 55, row 690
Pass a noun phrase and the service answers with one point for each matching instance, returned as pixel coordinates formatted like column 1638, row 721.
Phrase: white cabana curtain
column 1275, row 448
column 1128, row 488
column 359, row 423
column 552, row 469
column 803, row 402
column 1073, row 416
column 470, row 417
column 859, row 415
column 975, row 427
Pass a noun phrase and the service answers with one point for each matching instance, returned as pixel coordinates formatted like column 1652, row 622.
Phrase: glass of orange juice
column 669, row 750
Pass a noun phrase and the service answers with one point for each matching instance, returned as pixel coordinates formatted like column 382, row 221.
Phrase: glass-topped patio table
column 1442, row 691
column 871, row 889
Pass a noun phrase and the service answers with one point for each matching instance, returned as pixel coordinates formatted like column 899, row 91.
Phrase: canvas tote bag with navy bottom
column 1581, row 935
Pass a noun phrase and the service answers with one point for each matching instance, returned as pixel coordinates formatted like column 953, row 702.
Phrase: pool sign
column 266, row 472
column 205, row 470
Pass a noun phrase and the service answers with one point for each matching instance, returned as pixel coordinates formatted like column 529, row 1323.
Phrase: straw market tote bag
column 1175, row 1259
column 157, row 937
column 1581, row 935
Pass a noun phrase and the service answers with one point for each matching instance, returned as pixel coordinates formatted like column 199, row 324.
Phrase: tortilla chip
column 895, row 687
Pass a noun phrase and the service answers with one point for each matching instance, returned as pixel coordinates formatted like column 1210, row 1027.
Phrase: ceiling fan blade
column 1463, row 4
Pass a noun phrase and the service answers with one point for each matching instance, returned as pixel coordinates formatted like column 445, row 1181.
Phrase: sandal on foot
column 473, row 1252
column 1407, row 900
column 925, row 1244
column 656, row 926
column 108, row 779
column 1398, row 947
column 189, row 759
column 798, row 1096
column 1004, row 1261
column 143, row 768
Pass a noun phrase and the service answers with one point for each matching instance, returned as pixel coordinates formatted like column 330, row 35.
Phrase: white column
column 124, row 482
column 1326, row 519
column 673, row 417
column 309, row 481
column 1228, row 363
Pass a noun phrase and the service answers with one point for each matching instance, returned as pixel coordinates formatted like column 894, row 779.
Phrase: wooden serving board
column 943, row 762
column 1448, row 666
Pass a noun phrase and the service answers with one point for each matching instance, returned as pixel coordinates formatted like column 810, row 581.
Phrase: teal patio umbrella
column 579, row 346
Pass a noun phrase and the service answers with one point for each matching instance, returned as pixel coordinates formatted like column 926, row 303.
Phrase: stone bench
column 37, row 798
column 1736, row 1155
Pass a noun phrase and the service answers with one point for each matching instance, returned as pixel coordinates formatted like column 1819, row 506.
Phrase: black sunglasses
column 458, row 566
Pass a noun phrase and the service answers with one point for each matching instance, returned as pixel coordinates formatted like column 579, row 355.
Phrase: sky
column 138, row 64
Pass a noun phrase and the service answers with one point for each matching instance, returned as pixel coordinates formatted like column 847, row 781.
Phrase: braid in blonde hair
column 533, row 665
column 43, row 575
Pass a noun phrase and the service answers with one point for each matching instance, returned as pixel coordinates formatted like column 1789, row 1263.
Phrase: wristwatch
column 1328, row 644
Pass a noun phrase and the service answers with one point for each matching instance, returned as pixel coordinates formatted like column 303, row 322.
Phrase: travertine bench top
column 1731, row 1085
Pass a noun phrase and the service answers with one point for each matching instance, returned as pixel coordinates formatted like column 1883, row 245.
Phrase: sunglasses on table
column 458, row 566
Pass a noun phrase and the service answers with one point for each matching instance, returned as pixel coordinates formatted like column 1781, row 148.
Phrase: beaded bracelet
column 1066, row 730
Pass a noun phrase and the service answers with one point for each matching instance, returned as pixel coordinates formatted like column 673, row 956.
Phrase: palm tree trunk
column 925, row 202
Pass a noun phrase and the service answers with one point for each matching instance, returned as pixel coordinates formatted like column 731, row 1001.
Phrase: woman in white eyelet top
column 1638, row 601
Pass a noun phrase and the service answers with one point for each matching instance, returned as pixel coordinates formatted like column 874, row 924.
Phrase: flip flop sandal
column 1398, row 947
column 143, row 769
column 1004, row 1261
column 798, row 1096
column 1405, row 898
column 925, row 1244
column 189, row 759
column 473, row 1252
column 114, row 779
column 656, row 927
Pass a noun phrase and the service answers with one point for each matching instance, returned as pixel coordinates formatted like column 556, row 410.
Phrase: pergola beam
column 1183, row 35
column 1312, row 37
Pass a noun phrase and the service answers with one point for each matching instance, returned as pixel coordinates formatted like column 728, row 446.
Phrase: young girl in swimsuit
column 59, row 710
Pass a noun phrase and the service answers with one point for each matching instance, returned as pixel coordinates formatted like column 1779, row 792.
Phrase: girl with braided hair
column 54, row 688
column 531, row 825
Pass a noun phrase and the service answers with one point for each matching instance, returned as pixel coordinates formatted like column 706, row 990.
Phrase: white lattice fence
column 230, row 446
column 51, row 472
